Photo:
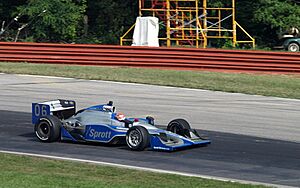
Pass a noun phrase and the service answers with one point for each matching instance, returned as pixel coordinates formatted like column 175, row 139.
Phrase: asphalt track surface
column 254, row 138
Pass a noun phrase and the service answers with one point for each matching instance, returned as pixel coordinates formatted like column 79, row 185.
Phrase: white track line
column 140, row 168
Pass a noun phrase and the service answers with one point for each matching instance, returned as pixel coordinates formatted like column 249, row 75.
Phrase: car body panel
column 103, row 133
column 285, row 42
column 289, row 41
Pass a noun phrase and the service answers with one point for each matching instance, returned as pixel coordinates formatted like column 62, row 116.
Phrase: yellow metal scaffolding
column 186, row 23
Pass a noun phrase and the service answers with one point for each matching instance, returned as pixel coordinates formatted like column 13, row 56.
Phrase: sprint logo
column 99, row 134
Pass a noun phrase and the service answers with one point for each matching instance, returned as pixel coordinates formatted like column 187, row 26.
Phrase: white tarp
column 146, row 32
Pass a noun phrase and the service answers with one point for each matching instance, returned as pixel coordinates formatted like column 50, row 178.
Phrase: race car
column 58, row 120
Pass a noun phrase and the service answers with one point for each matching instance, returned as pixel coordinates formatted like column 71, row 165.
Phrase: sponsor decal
column 162, row 148
column 99, row 134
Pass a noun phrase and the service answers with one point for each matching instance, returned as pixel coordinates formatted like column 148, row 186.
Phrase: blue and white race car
column 58, row 120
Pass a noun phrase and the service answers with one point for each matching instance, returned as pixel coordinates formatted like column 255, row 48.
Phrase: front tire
column 180, row 127
column 48, row 129
column 293, row 47
column 137, row 138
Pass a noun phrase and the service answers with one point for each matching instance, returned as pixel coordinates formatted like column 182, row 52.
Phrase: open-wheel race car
column 58, row 120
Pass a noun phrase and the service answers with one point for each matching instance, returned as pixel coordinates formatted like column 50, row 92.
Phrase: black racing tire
column 137, row 138
column 48, row 129
column 180, row 127
column 293, row 47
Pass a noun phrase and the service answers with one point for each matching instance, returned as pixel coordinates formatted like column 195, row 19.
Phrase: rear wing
column 60, row 108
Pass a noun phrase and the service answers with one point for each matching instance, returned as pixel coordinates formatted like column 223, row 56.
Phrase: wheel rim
column 294, row 48
column 175, row 128
column 134, row 138
column 43, row 131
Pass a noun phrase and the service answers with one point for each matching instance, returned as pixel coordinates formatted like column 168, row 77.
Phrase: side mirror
column 150, row 120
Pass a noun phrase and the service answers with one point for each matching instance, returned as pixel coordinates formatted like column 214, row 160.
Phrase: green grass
column 287, row 86
column 22, row 171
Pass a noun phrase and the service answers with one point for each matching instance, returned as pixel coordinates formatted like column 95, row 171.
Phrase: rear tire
column 48, row 129
column 180, row 127
column 137, row 138
column 293, row 47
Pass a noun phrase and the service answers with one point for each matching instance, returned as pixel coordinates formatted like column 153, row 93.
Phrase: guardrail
column 167, row 58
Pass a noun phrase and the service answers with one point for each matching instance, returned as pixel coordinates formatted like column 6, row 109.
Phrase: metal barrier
column 166, row 58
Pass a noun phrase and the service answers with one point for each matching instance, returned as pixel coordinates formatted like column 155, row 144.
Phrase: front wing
column 165, row 140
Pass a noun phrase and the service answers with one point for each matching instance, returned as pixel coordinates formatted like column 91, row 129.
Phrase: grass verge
column 23, row 171
column 287, row 86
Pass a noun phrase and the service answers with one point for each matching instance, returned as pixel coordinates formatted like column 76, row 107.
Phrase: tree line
column 104, row 21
